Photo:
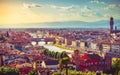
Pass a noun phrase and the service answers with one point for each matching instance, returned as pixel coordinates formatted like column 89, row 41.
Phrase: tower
column 111, row 24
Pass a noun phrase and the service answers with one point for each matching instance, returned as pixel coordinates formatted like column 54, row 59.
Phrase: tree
column 33, row 72
column 8, row 71
column 116, row 65
column 119, row 73
column 63, row 54
column 75, row 72
column 52, row 54
column 45, row 51
column 48, row 53
column 64, row 62
column 56, row 53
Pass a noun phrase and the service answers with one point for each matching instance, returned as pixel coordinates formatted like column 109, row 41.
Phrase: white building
column 106, row 47
column 82, row 44
column 74, row 43
column 116, row 48
column 93, row 46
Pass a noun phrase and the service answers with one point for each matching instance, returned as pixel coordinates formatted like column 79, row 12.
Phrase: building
column 82, row 44
column 105, row 47
column 92, row 62
column 75, row 43
column 53, row 64
column 68, row 41
column 111, row 24
column 93, row 45
column 116, row 48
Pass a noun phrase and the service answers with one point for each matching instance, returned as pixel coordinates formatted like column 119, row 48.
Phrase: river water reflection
column 52, row 47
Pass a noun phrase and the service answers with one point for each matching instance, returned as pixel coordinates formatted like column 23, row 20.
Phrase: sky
column 37, row 11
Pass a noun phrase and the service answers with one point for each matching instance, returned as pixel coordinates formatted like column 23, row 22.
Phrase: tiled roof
column 91, row 56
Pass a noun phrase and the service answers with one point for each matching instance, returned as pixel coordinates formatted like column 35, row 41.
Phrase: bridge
column 46, row 40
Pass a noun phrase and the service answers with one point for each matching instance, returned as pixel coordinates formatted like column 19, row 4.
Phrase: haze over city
column 15, row 12
column 59, row 37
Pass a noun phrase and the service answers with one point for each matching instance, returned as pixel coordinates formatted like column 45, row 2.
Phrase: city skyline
column 59, row 37
column 37, row 11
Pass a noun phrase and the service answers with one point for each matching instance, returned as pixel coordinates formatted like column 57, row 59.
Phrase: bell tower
column 111, row 24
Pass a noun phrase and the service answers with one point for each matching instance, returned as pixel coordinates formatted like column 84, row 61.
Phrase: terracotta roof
column 91, row 56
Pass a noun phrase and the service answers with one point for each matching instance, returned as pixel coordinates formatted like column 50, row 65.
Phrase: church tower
column 111, row 24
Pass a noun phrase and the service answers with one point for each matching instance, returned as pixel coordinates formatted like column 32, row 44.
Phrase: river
column 53, row 48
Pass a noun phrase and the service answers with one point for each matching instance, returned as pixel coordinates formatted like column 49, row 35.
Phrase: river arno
column 53, row 48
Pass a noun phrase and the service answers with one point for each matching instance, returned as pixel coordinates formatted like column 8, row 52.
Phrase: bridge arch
column 46, row 40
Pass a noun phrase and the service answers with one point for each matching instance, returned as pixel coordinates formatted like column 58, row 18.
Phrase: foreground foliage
column 74, row 72
column 64, row 62
column 116, row 66
column 33, row 72
column 8, row 71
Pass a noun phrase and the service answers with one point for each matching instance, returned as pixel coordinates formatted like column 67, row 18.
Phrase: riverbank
column 69, row 49
column 63, row 47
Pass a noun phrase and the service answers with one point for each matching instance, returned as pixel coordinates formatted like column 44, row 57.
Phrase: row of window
column 96, row 63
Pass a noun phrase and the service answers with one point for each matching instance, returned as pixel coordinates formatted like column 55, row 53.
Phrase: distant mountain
column 81, row 24
column 66, row 24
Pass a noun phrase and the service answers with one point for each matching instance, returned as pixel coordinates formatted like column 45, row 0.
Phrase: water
column 53, row 48
column 56, row 49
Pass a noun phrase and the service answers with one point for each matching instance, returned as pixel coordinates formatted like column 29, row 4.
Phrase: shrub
column 8, row 71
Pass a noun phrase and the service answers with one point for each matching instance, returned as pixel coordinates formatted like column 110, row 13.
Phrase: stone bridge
column 46, row 40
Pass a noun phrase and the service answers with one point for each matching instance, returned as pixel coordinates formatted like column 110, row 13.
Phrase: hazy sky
column 34, row 11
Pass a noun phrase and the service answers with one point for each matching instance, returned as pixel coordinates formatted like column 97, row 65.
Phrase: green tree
column 56, row 73
column 46, row 51
column 116, row 65
column 63, row 54
column 52, row 54
column 33, row 72
column 119, row 73
column 74, row 72
column 56, row 53
column 8, row 71
column 63, row 63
